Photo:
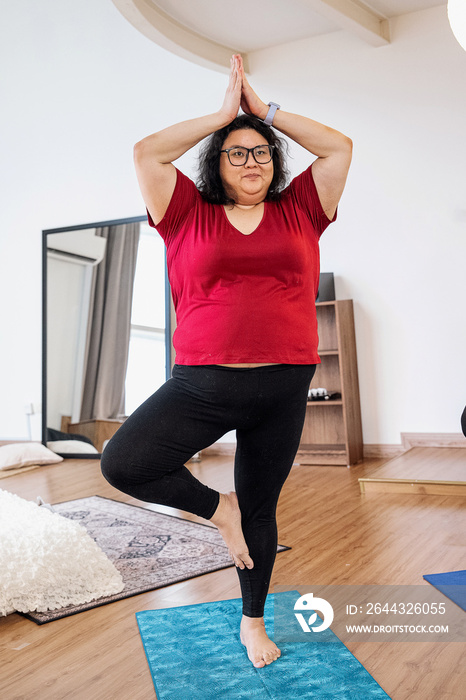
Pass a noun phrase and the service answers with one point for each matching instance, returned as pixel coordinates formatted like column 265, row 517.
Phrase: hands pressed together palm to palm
column 240, row 94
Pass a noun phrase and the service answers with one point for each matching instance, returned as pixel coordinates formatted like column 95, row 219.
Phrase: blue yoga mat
column 452, row 584
column 194, row 653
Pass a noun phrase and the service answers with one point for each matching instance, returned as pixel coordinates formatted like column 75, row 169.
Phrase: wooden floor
column 338, row 536
column 420, row 470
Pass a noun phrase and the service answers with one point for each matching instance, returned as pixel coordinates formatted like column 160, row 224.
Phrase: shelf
column 332, row 434
column 336, row 402
column 324, row 455
column 319, row 449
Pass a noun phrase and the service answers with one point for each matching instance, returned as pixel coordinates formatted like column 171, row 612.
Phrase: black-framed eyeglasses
column 238, row 155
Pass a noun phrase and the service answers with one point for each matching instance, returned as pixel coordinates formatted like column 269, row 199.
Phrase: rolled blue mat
column 194, row 653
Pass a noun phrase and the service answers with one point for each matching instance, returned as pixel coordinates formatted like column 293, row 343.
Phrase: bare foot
column 261, row 650
column 227, row 518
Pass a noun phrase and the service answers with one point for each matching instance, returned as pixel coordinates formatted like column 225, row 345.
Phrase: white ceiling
column 251, row 25
column 209, row 31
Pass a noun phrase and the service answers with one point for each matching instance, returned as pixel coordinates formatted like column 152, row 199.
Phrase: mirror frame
column 168, row 333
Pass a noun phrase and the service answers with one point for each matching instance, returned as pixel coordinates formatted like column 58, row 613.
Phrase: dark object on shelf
column 463, row 422
column 328, row 396
column 326, row 287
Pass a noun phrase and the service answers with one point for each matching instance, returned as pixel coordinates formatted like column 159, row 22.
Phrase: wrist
column 263, row 111
column 272, row 108
column 224, row 118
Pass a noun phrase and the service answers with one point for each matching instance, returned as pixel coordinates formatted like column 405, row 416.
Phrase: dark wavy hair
column 209, row 182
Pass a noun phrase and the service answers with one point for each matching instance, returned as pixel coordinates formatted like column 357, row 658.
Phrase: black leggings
column 266, row 406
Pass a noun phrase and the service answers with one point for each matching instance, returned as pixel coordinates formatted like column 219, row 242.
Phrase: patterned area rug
column 149, row 549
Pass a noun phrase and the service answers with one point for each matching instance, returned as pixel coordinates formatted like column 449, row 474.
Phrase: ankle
column 219, row 514
column 252, row 622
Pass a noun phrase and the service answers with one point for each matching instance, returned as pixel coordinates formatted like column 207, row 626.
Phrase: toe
column 248, row 561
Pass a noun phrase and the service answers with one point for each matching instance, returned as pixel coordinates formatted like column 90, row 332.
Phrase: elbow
column 148, row 149
column 348, row 144
column 347, row 149
column 138, row 150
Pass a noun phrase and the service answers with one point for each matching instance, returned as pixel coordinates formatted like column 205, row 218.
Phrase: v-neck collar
column 237, row 229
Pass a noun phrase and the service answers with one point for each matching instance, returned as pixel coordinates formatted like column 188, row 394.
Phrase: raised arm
column 332, row 148
column 154, row 155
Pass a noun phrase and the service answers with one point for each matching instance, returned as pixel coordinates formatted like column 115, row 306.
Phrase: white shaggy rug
column 48, row 561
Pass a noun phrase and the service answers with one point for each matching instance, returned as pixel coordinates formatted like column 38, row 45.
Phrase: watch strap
column 273, row 106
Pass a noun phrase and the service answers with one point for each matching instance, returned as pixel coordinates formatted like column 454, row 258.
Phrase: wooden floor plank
column 421, row 470
column 338, row 536
column 428, row 464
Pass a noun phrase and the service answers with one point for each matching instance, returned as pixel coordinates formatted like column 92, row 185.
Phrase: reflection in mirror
column 106, row 334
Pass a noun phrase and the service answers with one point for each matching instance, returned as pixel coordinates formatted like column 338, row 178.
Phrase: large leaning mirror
column 106, row 330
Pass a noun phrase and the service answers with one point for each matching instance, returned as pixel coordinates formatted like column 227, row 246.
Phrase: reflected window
column 147, row 355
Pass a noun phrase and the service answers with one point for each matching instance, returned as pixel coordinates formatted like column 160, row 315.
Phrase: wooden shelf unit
column 332, row 432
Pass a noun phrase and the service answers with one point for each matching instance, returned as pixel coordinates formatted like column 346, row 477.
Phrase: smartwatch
column 271, row 113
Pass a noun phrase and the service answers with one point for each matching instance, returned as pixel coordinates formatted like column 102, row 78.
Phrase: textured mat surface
column 194, row 653
column 149, row 549
column 452, row 584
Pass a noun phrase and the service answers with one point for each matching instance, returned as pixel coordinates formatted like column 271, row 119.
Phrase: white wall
column 83, row 85
column 78, row 87
column 399, row 246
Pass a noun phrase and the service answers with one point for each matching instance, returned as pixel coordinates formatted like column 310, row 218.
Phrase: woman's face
column 249, row 183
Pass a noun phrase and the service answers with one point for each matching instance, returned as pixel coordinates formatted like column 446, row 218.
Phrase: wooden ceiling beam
column 355, row 18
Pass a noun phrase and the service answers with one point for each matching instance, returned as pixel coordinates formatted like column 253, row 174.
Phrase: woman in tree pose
column 243, row 261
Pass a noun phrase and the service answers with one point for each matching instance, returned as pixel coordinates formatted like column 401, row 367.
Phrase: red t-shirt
column 244, row 298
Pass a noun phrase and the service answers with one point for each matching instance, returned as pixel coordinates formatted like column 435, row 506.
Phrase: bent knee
column 113, row 467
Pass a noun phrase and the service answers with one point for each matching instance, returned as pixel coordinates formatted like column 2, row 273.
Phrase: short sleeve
column 182, row 201
column 303, row 190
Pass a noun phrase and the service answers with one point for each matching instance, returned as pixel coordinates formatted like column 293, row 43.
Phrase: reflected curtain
column 110, row 324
